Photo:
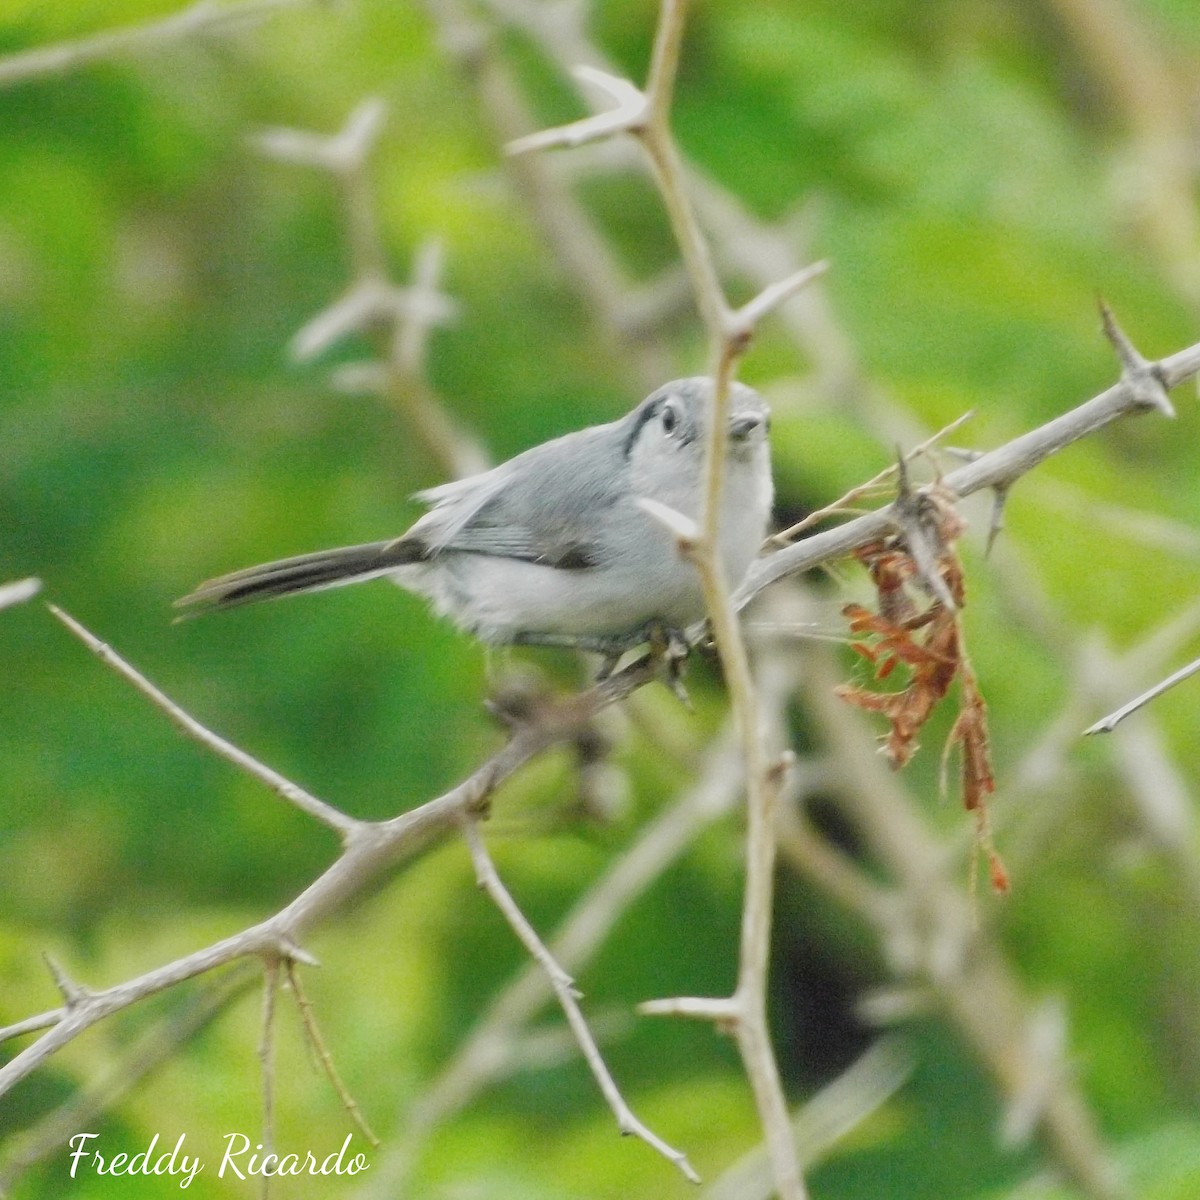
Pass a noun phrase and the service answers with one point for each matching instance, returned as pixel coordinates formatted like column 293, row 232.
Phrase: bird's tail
column 305, row 573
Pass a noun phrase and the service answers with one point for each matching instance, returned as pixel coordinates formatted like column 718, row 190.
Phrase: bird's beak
column 742, row 425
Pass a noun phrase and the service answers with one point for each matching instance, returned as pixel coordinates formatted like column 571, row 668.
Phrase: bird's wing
column 455, row 505
column 542, row 506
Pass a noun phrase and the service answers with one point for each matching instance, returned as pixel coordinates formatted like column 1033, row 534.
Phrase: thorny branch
column 646, row 115
column 759, row 251
column 395, row 320
column 564, row 989
column 999, row 468
column 1002, row 468
column 19, row 592
column 204, row 17
column 369, row 850
column 373, row 848
column 139, row 1060
column 495, row 1046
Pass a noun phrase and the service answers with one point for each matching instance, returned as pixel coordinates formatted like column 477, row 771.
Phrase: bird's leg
column 671, row 647
column 609, row 665
column 666, row 643
column 576, row 641
column 610, row 648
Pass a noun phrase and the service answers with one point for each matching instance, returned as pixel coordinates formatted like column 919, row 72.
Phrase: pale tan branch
column 32, row 1024
column 628, row 116
column 729, row 335
column 139, row 1060
column 370, row 300
column 842, row 504
column 19, row 591
column 396, row 320
column 489, row 880
column 295, row 795
column 371, row 849
column 341, row 153
column 720, row 1011
column 321, row 1049
column 744, row 320
column 822, row 1121
column 495, row 1045
column 201, row 18
column 1109, row 723
column 997, row 468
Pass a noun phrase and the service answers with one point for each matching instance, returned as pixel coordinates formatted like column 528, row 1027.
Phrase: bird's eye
column 670, row 418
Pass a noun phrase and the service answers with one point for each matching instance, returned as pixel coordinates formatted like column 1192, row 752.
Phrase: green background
column 976, row 172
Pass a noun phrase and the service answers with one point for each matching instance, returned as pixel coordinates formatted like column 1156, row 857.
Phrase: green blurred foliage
column 966, row 171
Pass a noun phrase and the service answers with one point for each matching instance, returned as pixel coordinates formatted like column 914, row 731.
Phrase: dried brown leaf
column 914, row 630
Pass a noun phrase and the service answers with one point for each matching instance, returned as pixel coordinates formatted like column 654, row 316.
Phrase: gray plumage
column 553, row 545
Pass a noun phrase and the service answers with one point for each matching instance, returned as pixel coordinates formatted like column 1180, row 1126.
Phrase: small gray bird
column 552, row 547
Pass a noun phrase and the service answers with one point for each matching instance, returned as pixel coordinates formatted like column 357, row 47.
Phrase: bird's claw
column 667, row 644
column 672, row 649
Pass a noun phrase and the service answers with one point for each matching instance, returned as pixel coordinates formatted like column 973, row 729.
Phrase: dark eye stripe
column 648, row 413
column 683, row 432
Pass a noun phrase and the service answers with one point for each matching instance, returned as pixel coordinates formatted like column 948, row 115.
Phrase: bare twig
column 266, row 1058
column 344, row 153
column 787, row 536
column 370, row 849
column 395, row 320
column 344, row 825
column 745, row 319
column 998, row 468
column 629, row 112
column 1109, row 723
column 313, row 1030
column 839, row 1107
column 202, row 17
column 560, row 981
column 494, row 1045
column 31, row 1024
column 646, row 116
column 729, row 333
column 19, row 591
column 144, row 1056
column 1162, row 799
column 368, row 302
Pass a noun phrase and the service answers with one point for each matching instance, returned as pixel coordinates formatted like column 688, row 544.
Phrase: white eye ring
column 670, row 417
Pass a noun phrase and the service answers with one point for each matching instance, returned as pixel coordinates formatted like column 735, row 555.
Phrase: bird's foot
column 666, row 643
column 672, row 648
